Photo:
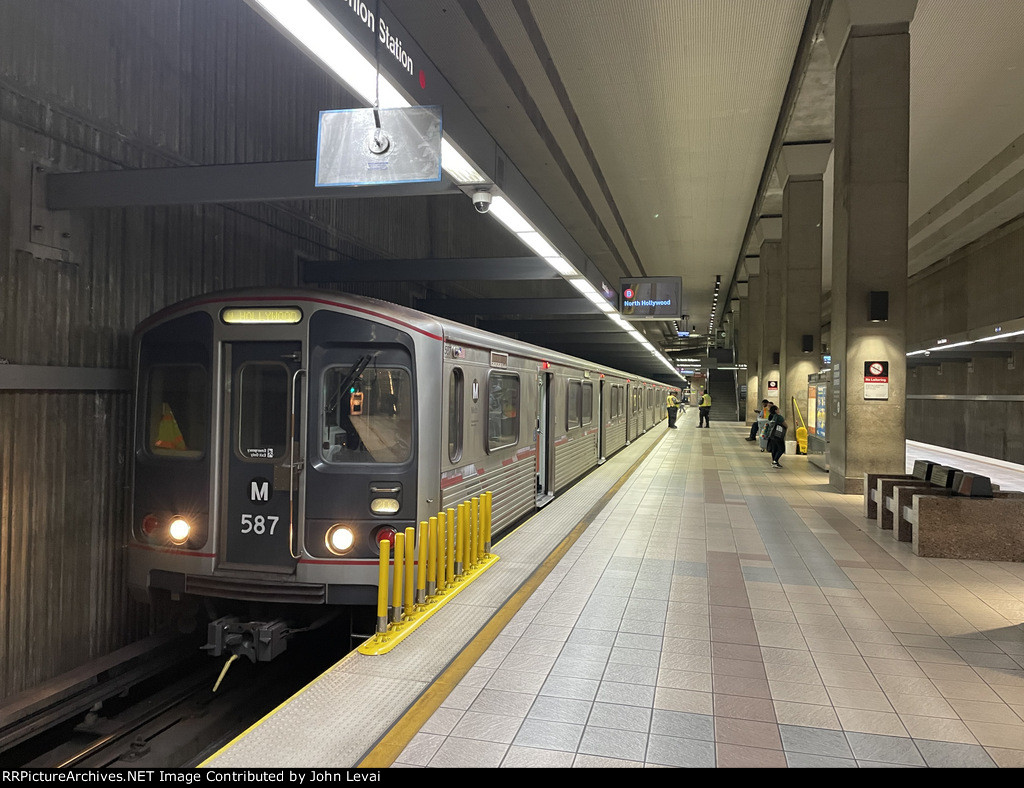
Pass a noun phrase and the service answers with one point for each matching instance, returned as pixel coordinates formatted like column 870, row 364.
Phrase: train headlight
column 179, row 530
column 385, row 505
column 340, row 539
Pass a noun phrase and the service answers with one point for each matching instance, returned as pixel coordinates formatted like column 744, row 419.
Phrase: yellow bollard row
column 431, row 565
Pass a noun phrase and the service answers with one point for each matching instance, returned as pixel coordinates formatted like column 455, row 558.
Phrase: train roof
column 434, row 327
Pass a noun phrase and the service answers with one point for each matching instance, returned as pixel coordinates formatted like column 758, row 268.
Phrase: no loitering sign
column 876, row 380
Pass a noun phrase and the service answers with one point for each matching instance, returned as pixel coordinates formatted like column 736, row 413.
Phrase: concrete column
column 751, row 327
column 871, row 42
column 769, row 234
column 800, row 168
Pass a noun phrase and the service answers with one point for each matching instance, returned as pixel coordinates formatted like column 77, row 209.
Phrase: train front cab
column 285, row 447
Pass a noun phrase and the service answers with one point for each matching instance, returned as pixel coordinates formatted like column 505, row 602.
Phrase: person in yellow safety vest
column 673, row 409
column 705, row 410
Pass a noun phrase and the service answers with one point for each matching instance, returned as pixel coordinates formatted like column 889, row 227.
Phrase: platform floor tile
column 719, row 612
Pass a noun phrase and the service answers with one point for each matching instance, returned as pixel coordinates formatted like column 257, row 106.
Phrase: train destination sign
column 258, row 315
column 651, row 298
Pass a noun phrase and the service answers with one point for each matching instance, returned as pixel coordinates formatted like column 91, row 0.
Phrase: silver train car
column 280, row 435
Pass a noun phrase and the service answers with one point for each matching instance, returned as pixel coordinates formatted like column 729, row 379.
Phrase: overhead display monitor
column 651, row 298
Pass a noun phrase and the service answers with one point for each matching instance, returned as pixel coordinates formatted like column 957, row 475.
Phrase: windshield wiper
column 350, row 378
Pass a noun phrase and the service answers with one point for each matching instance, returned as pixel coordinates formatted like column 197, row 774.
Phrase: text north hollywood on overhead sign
column 651, row 298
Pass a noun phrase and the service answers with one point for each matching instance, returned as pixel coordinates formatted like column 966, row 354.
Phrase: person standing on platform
column 705, row 410
column 775, row 431
column 673, row 409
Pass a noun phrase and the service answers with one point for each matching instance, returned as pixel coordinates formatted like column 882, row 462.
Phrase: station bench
column 874, row 499
column 943, row 481
column 971, row 521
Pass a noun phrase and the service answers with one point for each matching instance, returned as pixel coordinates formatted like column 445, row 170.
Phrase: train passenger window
column 263, row 411
column 587, row 411
column 502, row 410
column 178, row 411
column 455, row 410
column 572, row 410
column 369, row 418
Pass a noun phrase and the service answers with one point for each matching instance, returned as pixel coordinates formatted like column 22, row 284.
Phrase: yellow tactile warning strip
column 394, row 741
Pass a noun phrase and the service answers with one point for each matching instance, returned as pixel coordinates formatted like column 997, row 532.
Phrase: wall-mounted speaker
column 775, row 358
column 878, row 306
column 807, row 343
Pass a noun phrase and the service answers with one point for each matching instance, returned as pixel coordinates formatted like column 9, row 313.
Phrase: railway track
column 170, row 718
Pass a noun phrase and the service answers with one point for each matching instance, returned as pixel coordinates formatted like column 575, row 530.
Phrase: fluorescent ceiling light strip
column 582, row 285
column 596, row 297
column 458, row 166
column 538, row 243
column 506, row 213
column 318, row 35
column 562, row 265
column 1001, row 336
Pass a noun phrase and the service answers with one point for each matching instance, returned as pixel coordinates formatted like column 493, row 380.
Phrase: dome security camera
column 482, row 201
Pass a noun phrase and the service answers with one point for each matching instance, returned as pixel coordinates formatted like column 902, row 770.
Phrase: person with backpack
column 775, row 432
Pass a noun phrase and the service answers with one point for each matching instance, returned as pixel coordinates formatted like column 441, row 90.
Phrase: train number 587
column 258, row 524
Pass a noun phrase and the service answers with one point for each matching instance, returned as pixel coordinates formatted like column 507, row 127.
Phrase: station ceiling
column 650, row 128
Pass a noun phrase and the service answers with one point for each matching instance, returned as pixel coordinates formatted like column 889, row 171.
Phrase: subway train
column 280, row 435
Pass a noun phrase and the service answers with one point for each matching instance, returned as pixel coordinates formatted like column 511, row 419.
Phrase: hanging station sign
column 651, row 298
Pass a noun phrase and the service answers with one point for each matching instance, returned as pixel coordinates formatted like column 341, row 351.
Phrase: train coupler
column 260, row 641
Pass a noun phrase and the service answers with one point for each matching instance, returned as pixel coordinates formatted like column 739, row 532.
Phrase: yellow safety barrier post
column 432, row 558
column 382, row 587
column 487, row 522
column 410, row 569
column 421, row 562
column 438, row 565
column 474, row 528
column 431, row 566
column 460, row 542
column 449, row 572
column 396, row 594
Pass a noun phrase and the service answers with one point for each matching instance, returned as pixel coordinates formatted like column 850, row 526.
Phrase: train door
column 545, row 464
column 629, row 407
column 601, row 421
column 261, row 462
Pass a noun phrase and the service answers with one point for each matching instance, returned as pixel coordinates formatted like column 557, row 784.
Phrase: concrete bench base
column 871, row 501
column 883, row 492
column 985, row 529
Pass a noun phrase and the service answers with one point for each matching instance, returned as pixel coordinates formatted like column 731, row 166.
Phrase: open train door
column 545, row 446
column 261, row 459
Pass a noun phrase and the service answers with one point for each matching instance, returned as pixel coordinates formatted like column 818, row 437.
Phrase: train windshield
column 367, row 415
column 177, row 407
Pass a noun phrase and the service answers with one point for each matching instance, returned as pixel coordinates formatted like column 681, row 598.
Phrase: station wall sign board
column 651, row 298
column 773, row 387
column 876, row 380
